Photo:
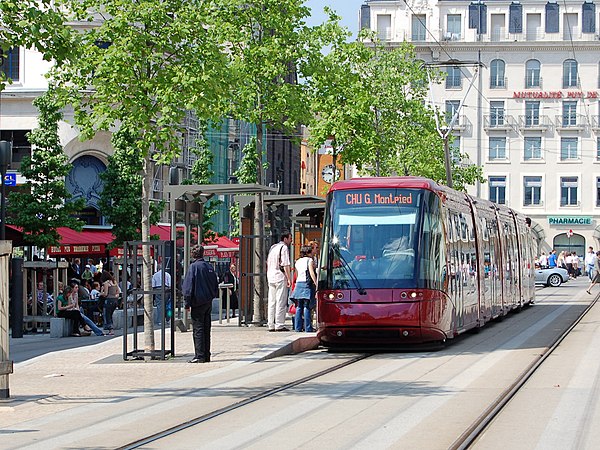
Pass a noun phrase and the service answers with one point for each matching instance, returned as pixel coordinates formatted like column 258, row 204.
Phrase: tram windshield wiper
column 349, row 271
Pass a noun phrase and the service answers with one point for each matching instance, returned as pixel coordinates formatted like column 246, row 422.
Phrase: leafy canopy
column 43, row 204
column 120, row 198
column 371, row 100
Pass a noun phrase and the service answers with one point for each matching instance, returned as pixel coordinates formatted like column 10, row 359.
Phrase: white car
column 554, row 276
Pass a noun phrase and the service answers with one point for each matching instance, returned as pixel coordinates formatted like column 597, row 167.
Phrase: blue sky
column 347, row 9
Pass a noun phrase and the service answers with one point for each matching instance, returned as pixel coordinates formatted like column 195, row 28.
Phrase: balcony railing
column 461, row 124
column 536, row 36
column 496, row 122
column 454, row 82
column 451, row 37
column 575, row 122
column 531, row 83
column 498, row 83
column 539, row 123
column 596, row 123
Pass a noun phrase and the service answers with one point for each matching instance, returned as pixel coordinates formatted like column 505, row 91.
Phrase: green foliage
column 270, row 48
column 38, row 24
column 245, row 174
column 43, row 205
column 145, row 64
column 202, row 173
column 372, row 101
column 120, row 198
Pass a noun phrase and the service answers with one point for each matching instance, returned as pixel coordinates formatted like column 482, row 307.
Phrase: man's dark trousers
column 201, row 323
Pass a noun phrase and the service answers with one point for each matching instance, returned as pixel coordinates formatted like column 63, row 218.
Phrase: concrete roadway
column 88, row 398
column 404, row 400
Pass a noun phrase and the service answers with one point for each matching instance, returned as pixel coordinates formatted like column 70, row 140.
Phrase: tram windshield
column 371, row 239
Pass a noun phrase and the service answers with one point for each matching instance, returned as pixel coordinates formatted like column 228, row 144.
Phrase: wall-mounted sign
column 77, row 249
column 569, row 220
column 555, row 94
column 10, row 179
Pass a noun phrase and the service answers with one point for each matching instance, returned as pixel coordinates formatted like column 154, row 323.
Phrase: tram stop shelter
column 190, row 199
column 301, row 214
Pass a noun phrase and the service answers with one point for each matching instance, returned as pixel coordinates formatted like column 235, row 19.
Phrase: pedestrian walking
column 596, row 278
column 200, row 286
column 280, row 280
column 590, row 260
column 552, row 259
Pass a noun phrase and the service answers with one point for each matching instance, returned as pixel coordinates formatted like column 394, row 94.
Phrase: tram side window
column 433, row 256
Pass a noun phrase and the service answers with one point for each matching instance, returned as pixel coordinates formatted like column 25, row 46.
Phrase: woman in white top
column 304, row 292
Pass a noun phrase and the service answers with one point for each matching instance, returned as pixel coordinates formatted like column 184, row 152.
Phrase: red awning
column 84, row 242
column 14, row 234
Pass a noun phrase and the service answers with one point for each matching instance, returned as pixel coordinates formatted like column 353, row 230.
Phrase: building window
column 570, row 73
column 453, row 27
column 569, row 114
column 453, row 77
column 419, row 30
column 597, row 191
column 497, row 74
column 496, row 113
column 497, row 148
column 598, row 149
column 532, row 191
column 568, row 149
column 9, row 63
column 533, row 148
column 384, row 27
column 532, row 113
column 454, row 147
column 568, row 191
column 451, row 109
column 532, row 74
column 497, row 189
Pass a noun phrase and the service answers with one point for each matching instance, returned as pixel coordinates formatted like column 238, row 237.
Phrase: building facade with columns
column 523, row 79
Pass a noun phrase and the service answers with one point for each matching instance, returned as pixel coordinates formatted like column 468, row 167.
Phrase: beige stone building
column 524, row 79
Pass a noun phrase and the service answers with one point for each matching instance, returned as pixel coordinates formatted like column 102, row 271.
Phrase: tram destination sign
column 569, row 220
column 379, row 197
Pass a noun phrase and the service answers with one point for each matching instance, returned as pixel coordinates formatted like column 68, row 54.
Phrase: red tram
column 406, row 261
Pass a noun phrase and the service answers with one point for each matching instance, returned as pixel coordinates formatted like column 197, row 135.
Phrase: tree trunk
column 259, row 233
column 147, row 262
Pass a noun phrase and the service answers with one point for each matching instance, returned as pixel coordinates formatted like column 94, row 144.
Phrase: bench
column 61, row 327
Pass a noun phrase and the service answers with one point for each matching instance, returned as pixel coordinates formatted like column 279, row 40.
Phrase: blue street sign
column 10, row 179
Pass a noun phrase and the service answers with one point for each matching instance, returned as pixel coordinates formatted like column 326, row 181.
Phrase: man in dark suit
column 200, row 286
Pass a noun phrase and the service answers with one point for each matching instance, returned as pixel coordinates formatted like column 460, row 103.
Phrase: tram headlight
column 413, row 295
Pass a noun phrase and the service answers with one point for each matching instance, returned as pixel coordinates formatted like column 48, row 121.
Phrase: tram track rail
column 471, row 434
column 247, row 401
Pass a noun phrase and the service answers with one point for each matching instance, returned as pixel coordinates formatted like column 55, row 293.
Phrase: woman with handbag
column 304, row 291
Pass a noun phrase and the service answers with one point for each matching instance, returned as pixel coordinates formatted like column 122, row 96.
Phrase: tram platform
column 89, row 368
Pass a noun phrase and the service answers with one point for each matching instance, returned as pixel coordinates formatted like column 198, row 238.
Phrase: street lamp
column 5, row 160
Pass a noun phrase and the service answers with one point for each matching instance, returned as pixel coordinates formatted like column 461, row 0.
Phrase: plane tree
column 371, row 101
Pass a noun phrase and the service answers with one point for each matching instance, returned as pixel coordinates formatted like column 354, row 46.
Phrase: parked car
column 554, row 276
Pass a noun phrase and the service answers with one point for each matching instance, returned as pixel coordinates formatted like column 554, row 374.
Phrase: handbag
column 293, row 309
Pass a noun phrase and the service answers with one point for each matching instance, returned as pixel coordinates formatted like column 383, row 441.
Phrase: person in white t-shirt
column 280, row 280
